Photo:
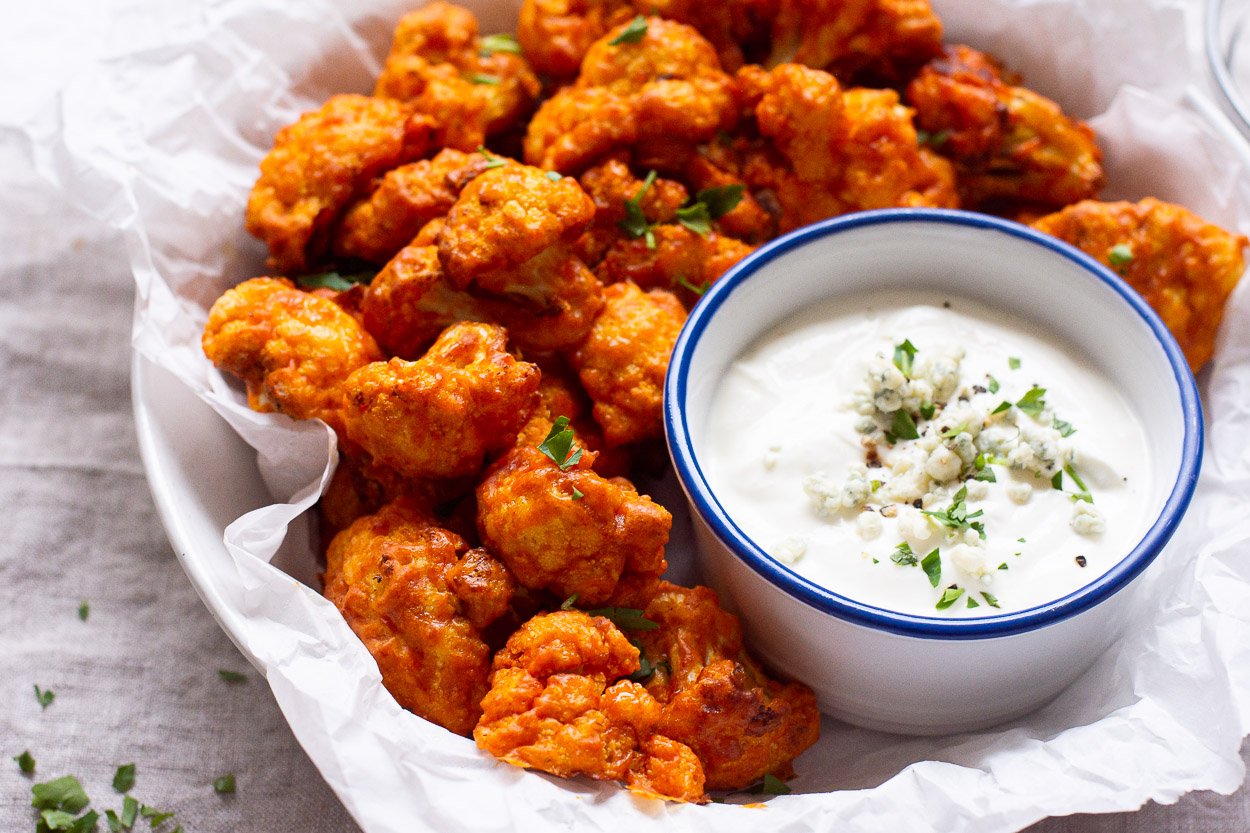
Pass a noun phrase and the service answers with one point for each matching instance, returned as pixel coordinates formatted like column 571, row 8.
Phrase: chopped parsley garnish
column 903, row 556
column 927, row 410
column 1013, row 363
column 559, row 445
column 709, row 204
column 499, row 43
column 61, row 820
column 625, row 618
column 1032, row 402
column 84, row 610
column 65, row 793
column 1002, row 406
column 986, row 475
column 950, row 596
column 1076, row 478
column 905, row 357
column 973, row 602
column 1056, row 482
column 933, row 140
column 903, row 427
column 990, row 599
column 555, row 176
column 874, row 485
column 695, row 217
column 1065, row 429
column 957, row 516
column 154, row 816
column 1022, row 541
column 1083, row 494
column 1120, row 255
column 568, row 603
column 483, row 78
column 130, row 812
column 992, row 386
column 333, row 280
column 231, row 676
column 635, row 223
column 1003, row 566
column 773, row 785
column 932, row 566
column 225, row 784
column 721, row 199
column 44, row 698
column 25, row 762
column 492, row 161
column 124, row 778
column 577, row 494
column 632, row 33
column 697, row 290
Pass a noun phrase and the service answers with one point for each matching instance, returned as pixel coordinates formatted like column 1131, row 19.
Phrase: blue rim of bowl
column 723, row 527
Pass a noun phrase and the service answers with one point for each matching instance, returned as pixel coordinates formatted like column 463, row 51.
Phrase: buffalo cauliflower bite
column 623, row 361
column 1007, row 142
column 320, row 164
column 531, row 515
column 555, row 34
column 666, row 86
column 611, row 184
column 881, row 41
column 293, row 349
column 557, row 703
column 410, row 303
column 418, row 602
column 560, row 394
column 717, row 700
column 509, row 240
column 1182, row 265
column 483, row 586
column 827, row 151
column 406, row 199
column 681, row 260
column 438, row 64
column 439, row 416
column 504, row 220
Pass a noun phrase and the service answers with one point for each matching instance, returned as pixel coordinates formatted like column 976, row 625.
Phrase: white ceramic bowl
column 900, row 672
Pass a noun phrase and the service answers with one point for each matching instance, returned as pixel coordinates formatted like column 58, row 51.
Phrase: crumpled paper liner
column 161, row 137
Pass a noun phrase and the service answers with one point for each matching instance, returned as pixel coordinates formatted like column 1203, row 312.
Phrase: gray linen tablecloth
column 137, row 681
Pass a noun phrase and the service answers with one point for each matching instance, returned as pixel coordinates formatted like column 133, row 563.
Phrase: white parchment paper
column 160, row 135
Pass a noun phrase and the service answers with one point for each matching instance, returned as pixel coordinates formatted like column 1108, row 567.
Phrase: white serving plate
column 395, row 772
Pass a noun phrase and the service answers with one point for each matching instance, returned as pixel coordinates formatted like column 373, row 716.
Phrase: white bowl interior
column 981, row 263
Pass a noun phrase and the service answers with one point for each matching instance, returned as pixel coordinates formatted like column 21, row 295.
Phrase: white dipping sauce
column 792, row 424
